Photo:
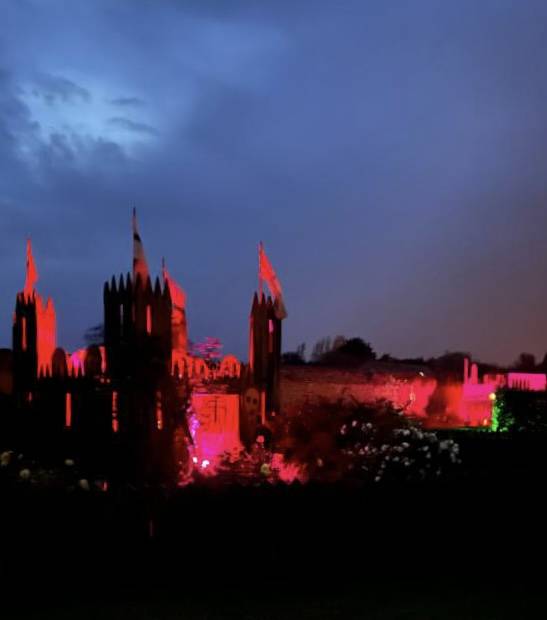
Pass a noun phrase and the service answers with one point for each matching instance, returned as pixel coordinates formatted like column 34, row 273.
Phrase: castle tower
column 137, row 321
column 146, row 412
column 265, row 352
column 265, row 337
column 34, row 334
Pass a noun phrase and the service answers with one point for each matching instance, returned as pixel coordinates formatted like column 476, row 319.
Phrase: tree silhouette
column 209, row 349
column 526, row 362
column 94, row 335
column 343, row 352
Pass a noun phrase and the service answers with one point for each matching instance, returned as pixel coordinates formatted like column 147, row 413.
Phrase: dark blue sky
column 391, row 155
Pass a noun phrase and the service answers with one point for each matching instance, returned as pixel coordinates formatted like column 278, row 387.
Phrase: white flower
column 377, row 479
column 69, row 462
column 24, row 474
column 5, row 458
column 83, row 484
column 354, row 423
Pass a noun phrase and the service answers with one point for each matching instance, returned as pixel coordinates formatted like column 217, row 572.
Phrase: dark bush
column 518, row 411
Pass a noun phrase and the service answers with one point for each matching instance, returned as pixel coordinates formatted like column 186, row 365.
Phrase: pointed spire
column 31, row 273
column 254, row 304
column 140, row 266
column 148, row 286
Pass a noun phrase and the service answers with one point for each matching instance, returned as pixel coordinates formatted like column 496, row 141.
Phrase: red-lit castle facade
column 140, row 406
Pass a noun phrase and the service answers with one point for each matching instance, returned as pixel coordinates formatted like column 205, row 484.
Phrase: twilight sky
column 391, row 155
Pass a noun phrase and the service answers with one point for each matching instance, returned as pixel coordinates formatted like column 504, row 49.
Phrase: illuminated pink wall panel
column 217, row 427
column 535, row 382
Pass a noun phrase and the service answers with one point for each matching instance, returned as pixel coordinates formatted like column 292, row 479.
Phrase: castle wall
column 311, row 384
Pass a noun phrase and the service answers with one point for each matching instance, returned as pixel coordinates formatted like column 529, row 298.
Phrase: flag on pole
column 267, row 273
column 140, row 266
column 178, row 296
column 32, row 273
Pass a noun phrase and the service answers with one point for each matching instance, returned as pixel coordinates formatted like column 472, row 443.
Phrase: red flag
column 140, row 266
column 32, row 273
column 267, row 273
column 178, row 296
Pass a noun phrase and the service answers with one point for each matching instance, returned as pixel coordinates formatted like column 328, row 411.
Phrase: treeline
column 354, row 351
column 339, row 351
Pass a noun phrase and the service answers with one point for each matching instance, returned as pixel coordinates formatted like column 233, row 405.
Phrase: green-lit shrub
column 518, row 411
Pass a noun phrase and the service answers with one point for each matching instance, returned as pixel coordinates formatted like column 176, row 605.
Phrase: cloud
column 126, row 123
column 390, row 157
column 126, row 101
column 54, row 89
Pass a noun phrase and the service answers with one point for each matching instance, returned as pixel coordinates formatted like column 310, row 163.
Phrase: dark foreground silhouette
column 472, row 547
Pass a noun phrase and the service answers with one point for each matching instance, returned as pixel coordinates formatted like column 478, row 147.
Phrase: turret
column 265, row 352
column 34, row 335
